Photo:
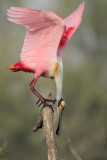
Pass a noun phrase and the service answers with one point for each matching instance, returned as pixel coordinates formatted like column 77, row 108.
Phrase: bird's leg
column 35, row 91
column 43, row 100
column 31, row 82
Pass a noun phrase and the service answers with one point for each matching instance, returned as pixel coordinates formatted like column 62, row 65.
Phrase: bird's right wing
column 73, row 21
column 43, row 36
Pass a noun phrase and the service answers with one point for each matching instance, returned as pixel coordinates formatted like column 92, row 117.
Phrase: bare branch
column 47, row 115
column 38, row 125
column 46, row 120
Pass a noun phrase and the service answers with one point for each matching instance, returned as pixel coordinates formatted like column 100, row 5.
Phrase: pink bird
column 46, row 38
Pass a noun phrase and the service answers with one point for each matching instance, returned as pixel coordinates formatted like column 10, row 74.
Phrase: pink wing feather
column 42, row 38
column 72, row 22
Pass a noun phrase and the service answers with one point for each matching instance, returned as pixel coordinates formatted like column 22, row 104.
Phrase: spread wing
column 73, row 21
column 43, row 35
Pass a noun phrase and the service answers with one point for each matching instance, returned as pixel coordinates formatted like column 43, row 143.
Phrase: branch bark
column 47, row 117
column 46, row 120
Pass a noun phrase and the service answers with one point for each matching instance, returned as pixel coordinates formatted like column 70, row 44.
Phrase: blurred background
column 84, row 87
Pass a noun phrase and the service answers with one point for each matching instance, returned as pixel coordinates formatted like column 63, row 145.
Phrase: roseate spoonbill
column 46, row 38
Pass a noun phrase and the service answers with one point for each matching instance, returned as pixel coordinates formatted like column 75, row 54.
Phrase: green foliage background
column 84, row 86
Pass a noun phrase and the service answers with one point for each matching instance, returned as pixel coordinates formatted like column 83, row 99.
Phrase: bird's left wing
column 43, row 35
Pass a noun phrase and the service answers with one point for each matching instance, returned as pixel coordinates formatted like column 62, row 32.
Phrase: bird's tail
column 20, row 66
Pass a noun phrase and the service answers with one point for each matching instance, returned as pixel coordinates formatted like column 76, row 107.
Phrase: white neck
column 59, row 80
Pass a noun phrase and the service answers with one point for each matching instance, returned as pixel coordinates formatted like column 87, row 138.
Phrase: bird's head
column 61, row 106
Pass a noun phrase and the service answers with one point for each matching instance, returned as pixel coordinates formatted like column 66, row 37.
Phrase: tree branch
column 46, row 120
column 38, row 125
column 47, row 116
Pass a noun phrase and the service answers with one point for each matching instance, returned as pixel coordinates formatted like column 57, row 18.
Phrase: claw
column 40, row 104
column 37, row 101
column 49, row 100
column 53, row 101
column 45, row 104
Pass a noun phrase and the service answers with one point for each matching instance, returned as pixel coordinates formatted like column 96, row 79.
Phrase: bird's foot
column 45, row 103
column 49, row 100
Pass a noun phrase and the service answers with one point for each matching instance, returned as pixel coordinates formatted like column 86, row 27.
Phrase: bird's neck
column 59, row 79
